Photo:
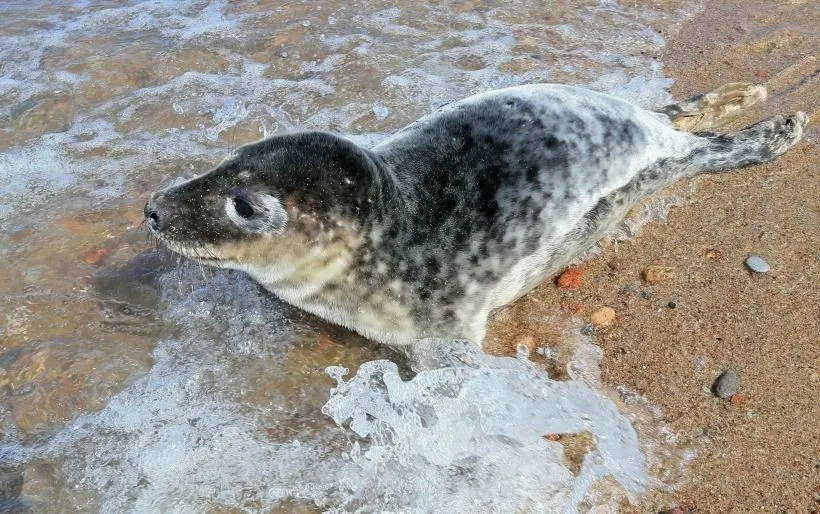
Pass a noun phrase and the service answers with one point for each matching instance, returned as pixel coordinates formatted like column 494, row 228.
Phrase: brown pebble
column 552, row 437
column 96, row 256
column 658, row 274
column 571, row 278
column 603, row 317
column 713, row 254
column 736, row 400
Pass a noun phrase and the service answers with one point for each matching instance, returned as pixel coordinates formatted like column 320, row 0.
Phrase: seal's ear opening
column 255, row 212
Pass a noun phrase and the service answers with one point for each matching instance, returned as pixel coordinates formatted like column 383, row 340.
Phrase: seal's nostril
column 151, row 213
column 151, row 216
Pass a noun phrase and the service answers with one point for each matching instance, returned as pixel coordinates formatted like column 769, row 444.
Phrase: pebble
column 381, row 111
column 757, row 264
column 603, row 317
column 96, row 256
column 571, row 278
column 726, row 384
column 658, row 274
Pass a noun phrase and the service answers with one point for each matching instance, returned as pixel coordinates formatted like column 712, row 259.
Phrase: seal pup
column 452, row 217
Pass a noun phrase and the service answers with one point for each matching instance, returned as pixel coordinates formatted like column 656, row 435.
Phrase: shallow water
column 133, row 382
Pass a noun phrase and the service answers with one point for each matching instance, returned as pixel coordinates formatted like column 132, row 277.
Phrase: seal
column 456, row 215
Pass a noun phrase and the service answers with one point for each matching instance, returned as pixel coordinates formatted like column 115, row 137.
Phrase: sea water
column 136, row 382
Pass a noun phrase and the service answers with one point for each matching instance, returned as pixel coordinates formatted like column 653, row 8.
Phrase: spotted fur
column 452, row 217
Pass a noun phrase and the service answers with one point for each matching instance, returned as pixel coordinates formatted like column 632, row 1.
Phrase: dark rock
column 726, row 384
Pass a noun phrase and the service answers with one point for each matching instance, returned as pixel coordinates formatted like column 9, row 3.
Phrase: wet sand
column 760, row 452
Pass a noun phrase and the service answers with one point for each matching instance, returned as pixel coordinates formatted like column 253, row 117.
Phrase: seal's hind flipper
column 757, row 144
column 709, row 110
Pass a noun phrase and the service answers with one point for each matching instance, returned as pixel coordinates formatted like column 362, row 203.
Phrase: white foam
column 30, row 174
column 464, row 437
column 228, row 115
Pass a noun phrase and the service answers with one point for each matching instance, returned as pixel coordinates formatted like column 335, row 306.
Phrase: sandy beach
column 670, row 340
column 120, row 366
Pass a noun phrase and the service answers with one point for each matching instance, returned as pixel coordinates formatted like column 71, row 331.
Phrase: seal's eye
column 255, row 212
column 242, row 207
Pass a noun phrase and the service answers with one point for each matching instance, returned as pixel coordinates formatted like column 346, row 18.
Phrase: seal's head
column 278, row 209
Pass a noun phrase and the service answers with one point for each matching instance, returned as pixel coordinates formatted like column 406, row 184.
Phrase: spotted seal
column 456, row 215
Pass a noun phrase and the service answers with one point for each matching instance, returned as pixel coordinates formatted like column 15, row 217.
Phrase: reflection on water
column 132, row 382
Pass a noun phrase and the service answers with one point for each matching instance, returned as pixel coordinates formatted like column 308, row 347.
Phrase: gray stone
column 757, row 264
column 381, row 111
column 726, row 384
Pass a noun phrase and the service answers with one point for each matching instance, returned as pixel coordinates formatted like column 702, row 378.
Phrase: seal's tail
column 757, row 144
column 710, row 110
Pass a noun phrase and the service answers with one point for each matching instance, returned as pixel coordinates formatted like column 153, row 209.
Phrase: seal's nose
column 153, row 214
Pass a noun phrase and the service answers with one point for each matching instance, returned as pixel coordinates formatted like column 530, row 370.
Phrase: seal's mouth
column 199, row 253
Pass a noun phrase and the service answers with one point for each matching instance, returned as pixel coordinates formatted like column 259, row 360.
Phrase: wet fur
column 454, row 216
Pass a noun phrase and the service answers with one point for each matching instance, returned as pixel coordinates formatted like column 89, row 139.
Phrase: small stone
column 736, row 400
column 726, row 384
column 96, row 256
column 381, row 111
column 571, row 278
column 757, row 264
column 713, row 254
column 659, row 274
column 603, row 317
column 671, row 305
column 552, row 437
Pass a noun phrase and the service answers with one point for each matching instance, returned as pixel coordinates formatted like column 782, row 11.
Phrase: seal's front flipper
column 710, row 110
